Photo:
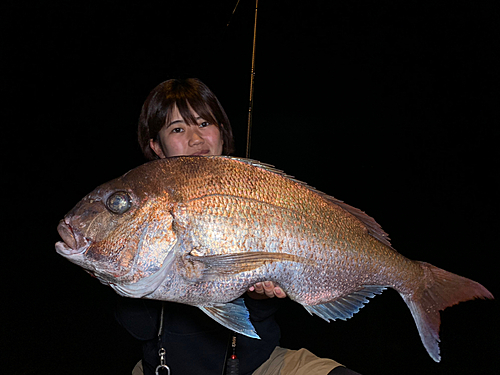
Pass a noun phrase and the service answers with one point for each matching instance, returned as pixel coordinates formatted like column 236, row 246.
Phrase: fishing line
column 232, row 14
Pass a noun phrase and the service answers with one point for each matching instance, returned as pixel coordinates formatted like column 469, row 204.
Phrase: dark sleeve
column 253, row 352
column 262, row 309
column 187, row 330
column 139, row 317
column 194, row 343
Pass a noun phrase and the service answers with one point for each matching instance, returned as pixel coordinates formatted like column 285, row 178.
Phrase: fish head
column 121, row 233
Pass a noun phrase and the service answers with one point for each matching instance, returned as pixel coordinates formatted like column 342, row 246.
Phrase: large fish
column 202, row 230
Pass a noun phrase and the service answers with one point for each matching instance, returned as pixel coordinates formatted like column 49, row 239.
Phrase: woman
column 183, row 117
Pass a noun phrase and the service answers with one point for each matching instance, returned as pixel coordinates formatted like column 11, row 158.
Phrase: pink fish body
column 202, row 230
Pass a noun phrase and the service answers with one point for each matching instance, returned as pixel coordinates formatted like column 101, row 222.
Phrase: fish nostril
column 66, row 234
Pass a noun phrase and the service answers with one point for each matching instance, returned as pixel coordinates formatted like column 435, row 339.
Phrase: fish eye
column 119, row 202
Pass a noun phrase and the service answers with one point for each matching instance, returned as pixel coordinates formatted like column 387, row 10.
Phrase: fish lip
column 72, row 242
column 65, row 250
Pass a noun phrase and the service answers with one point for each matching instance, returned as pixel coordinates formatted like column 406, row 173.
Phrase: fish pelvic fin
column 345, row 307
column 233, row 315
column 441, row 289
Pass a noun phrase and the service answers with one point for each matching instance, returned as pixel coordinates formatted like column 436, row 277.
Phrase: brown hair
column 184, row 94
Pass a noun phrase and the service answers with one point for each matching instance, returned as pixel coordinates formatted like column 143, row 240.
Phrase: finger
column 278, row 292
column 269, row 289
column 258, row 288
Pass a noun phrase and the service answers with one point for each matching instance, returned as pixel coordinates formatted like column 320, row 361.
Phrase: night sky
column 390, row 106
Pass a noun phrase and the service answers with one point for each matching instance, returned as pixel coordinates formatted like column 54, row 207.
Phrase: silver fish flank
column 202, row 230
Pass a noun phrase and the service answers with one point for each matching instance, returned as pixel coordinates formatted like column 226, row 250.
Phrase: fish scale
column 202, row 230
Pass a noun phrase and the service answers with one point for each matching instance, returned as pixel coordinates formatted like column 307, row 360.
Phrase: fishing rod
column 252, row 79
column 252, row 76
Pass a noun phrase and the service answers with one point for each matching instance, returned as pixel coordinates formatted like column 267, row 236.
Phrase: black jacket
column 194, row 342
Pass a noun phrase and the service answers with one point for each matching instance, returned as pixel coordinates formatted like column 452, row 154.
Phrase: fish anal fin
column 233, row 315
column 346, row 306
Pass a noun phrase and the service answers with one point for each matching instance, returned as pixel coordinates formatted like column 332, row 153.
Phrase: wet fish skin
column 201, row 230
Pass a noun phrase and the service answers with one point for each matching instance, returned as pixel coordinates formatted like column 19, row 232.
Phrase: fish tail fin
column 440, row 289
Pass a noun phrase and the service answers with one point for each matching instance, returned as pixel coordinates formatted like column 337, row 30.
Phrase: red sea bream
column 202, row 230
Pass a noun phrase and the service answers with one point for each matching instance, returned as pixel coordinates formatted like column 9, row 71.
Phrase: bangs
column 186, row 108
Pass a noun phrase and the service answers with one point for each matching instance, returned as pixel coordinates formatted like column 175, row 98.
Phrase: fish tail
column 439, row 289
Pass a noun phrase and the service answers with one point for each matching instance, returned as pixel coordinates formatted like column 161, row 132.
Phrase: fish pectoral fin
column 233, row 315
column 229, row 264
column 345, row 307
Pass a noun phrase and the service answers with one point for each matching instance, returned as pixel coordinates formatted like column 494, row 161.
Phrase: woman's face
column 178, row 138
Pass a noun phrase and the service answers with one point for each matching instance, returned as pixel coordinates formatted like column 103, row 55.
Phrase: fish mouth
column 72, row 243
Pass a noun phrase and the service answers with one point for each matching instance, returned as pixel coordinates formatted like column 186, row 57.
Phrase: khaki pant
column 285, row 362
column 137, row 370
column 295, row 362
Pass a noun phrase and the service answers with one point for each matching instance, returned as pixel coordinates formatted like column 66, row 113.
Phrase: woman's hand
column 265, row 289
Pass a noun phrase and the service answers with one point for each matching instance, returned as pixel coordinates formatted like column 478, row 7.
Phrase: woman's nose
column 195, row 137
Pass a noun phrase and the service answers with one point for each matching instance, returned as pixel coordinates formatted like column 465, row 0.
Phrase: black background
column 391, row 106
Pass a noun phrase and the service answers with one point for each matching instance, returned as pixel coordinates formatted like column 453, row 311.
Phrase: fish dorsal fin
column 345, row 307
column 373, row 228
column 233, row 315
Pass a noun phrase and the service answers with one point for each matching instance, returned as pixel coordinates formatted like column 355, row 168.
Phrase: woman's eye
column 177, row 130
column 204, row 124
